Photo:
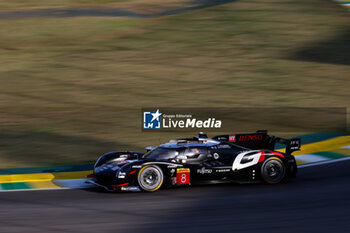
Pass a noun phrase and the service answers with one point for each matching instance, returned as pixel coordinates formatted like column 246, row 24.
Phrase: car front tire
column 150, row 178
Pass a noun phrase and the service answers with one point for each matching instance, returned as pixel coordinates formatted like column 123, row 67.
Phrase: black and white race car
column 240, row 158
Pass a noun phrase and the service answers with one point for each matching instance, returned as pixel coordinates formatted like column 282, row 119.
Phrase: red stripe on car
column 262, row 156
column 278, row 154
column 119, row 185
column 132, row 172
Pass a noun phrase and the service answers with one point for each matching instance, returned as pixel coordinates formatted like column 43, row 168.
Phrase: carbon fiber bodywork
column 199, row 160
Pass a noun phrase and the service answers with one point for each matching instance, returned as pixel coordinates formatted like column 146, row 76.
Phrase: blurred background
column 75, row 74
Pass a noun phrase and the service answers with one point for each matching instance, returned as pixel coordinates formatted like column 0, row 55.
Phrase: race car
column 239, row 158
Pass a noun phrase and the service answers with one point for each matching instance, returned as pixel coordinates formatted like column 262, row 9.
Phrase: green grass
column 42, row 4
column 73, row 88
column 22, row 4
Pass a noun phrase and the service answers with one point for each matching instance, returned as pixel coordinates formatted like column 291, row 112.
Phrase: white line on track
column 324, row 162
column 310, row 158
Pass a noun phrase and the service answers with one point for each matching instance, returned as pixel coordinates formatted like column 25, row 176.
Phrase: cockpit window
column 161, row 153
column 194, row 152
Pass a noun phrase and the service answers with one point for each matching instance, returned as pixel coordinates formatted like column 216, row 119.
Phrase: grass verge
column 73, row 88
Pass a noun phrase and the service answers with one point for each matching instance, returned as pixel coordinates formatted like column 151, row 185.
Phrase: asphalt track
column 319, row 201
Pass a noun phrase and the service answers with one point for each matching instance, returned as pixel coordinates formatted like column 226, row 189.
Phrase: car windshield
column 161, row 153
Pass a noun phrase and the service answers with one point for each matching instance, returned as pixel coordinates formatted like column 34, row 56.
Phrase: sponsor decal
column 224, row 146
column 251, row 156
column 223, row 138
column 222, row 170
column 253, row 137
column 182, row 170
column 130, row 188
column 183, row 176
column 216, row 155
column 294, row 144
column 121, row 175
column 136, row 166
column 232, row 138
column 204, row 171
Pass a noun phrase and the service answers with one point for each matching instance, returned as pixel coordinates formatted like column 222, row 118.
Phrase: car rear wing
column 292, row 144
column 260, row 140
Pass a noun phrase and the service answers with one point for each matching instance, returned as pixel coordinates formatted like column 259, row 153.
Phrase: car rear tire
column 150, row 178
column 273, row 170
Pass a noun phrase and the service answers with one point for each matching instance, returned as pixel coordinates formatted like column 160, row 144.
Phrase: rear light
column 90, row 176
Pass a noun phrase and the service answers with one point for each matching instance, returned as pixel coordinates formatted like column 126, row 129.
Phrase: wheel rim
column 150, row 179
column 273, row 171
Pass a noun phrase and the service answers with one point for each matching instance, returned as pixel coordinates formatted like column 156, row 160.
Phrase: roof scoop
column 202, row 135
